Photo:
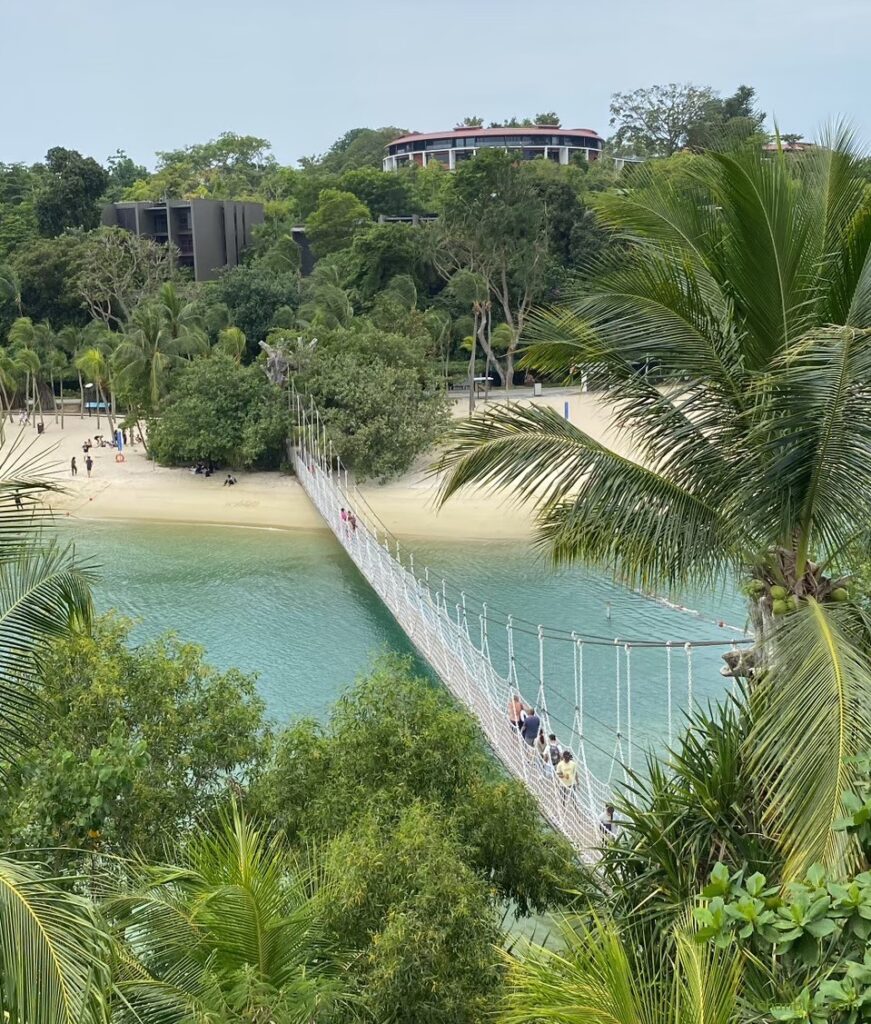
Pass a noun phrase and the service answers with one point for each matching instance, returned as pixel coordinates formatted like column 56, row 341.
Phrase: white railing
column 446, row 644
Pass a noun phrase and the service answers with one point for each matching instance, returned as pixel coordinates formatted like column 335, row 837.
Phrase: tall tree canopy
column 68, row 192
column 657, row 121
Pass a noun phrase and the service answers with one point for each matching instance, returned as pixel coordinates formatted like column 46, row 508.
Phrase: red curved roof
column 459, row 133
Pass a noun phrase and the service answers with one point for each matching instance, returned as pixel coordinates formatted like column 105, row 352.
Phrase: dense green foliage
column 426, row 838
column 220, row 410
column 350, row 375
column 138, row 744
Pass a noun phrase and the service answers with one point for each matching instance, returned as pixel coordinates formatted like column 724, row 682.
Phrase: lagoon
column 290, row 606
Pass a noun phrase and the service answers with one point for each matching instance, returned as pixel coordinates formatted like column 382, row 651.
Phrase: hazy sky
column 97, row 75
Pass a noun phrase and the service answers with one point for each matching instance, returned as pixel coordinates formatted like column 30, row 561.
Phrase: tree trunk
column 110, row 413
column 53, row 395
column 483, row 335
column 61, row 402
column 472, row 364
column 81, row 396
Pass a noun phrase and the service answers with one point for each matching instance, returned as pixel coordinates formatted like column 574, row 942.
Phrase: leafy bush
column 139, row 742
column 379, row 395
column 221, row 411
column 395, row 741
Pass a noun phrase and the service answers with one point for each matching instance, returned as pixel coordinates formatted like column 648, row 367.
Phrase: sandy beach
column 137, row 489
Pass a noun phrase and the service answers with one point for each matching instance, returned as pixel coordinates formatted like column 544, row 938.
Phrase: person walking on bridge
column 515, row 712
column 531, row 727
column 567, row 773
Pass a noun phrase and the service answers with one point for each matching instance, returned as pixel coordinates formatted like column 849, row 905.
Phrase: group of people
column 89, row 462
column 349, row 519
column 554, row 759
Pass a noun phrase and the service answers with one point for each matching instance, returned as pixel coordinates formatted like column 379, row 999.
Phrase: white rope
column 668, row 678
column 628, row 649
column 512, row 666
column 688, row 647
column 542, row 700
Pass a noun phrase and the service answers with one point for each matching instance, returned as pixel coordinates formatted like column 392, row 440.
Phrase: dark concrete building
column 209, row 234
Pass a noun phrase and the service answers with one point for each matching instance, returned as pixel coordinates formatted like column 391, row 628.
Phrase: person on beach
column 531, row 726
column 515, row 712
column 230, row 481
column 89, row 465
column 567, row 772
column 74, row 469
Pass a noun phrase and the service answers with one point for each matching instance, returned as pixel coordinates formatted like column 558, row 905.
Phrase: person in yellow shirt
column 567, row 772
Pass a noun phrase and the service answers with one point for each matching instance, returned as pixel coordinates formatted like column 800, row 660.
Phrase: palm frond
column 812, row 717
column 54, row 953
column 598, row 977
column 44, row 593
column 594, row 505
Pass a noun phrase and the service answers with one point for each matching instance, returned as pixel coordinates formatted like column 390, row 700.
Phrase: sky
column 102, row 75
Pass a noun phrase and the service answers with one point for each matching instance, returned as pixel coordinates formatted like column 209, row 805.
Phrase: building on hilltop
column 209, row 234
column 450, row 148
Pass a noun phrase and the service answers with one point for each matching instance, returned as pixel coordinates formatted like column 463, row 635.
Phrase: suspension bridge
column 457, row 639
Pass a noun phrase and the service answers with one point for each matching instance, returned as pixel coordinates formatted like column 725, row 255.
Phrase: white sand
column 136, row 489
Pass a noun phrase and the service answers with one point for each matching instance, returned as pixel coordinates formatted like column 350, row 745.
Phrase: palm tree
column 53, row 949
column 8, row 384
column 598, row 979
column 233, row 932
column 232, row 341
column 159, row 338
column 93, row 363
column 730, row 336
column 180, row 317
column 10, row 287
column 22, row 338
column 70, row 341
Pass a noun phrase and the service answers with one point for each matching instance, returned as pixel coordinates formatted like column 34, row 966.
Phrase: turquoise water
column 291, row 607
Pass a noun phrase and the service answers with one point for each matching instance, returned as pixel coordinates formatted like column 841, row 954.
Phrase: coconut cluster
column 780, row 600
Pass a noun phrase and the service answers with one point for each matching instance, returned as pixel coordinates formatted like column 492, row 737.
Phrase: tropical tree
column 599, row 978
column 234, row 931
column 23, row 338
column 231, row 340
column 53, row 949
column 10, row 287
column 94, row 363
column 730, row 338
column 158, row 339
column 70, row 343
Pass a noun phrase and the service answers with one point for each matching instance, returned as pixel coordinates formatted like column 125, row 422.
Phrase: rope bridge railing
column 458, row 642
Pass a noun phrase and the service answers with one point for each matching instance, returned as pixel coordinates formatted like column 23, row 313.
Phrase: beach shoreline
column 137, row 490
